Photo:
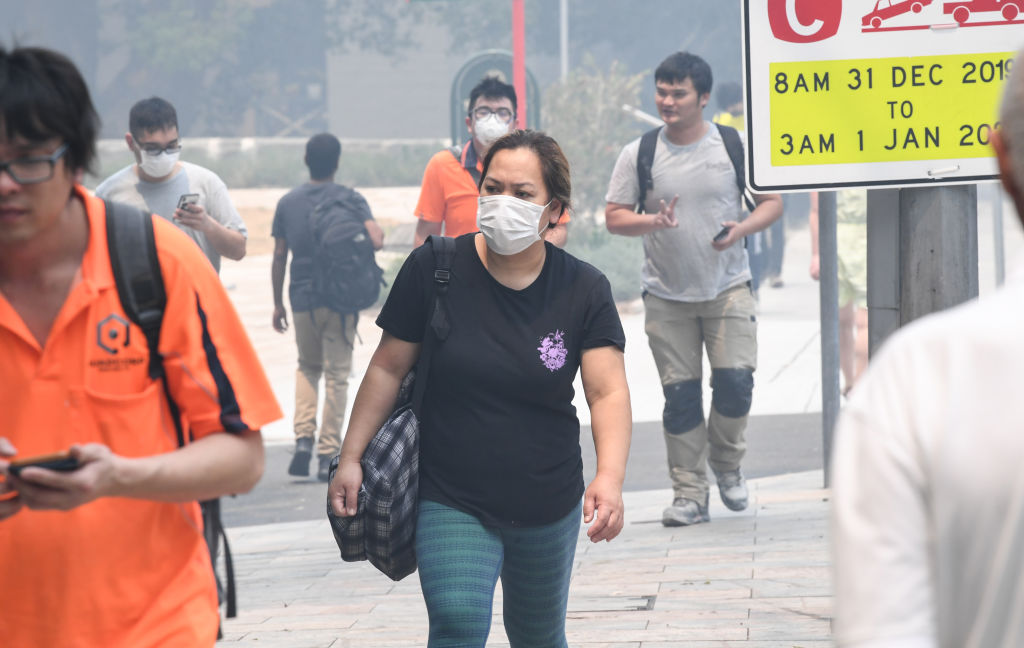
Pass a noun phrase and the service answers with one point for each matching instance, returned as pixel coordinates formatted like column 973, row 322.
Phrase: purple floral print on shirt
column 552, row 350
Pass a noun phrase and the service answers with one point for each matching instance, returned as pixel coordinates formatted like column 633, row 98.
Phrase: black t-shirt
column 499, row 434
column 291, row 223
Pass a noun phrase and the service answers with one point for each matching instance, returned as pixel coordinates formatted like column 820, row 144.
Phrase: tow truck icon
column 885, row 9
column 962, row 9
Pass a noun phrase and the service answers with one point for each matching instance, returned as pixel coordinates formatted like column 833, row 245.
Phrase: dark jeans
column 774, row 246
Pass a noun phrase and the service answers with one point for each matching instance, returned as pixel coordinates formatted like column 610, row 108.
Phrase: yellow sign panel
column 885, row 110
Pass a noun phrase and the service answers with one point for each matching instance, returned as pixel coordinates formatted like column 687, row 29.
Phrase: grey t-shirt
column 161, row 198
column 679, row 263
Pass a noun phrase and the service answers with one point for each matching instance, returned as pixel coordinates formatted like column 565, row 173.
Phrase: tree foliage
column 585, row 115
column 244, row 67
column 637, row 34
column 230, row 67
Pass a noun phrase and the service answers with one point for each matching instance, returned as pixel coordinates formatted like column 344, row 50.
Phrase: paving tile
column 760, row 579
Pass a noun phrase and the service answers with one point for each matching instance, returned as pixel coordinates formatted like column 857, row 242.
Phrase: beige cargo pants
column 678, row 334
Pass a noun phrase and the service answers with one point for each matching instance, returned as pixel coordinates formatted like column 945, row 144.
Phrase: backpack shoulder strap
column 734, row 148
column 140, row 287
column 440, row 321
column 444, row 253
column 469, row 163
column 644, row 165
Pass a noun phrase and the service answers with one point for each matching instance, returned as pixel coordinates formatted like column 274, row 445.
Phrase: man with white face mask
column 448, row 195
column 158, row 180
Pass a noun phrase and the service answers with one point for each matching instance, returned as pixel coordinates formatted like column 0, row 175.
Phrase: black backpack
column 346, row 277
column 140, row 287
column 645, row 161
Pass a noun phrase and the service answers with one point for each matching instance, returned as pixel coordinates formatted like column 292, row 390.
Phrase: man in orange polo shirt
column 448, row 195
column 110, row 553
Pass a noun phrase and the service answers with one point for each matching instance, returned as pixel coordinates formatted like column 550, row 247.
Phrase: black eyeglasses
column 32, row 170
column 156, row 149
column 483, row 112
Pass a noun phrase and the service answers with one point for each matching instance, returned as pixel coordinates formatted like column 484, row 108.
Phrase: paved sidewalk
column 758, row 579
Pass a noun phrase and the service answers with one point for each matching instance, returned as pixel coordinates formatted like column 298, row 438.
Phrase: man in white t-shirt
column 696, row 283
column 928, row 490
column 158, row 181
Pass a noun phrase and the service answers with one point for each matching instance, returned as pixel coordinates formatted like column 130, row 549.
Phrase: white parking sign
column 875, row 92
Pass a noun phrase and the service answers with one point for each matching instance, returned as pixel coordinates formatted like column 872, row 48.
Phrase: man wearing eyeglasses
column 448, row 195
column 102, row 545
column 192, row 197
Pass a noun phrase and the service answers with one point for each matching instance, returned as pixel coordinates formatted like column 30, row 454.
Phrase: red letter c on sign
column 804, row 21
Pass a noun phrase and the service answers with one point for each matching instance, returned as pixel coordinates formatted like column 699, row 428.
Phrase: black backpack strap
column 644, row 166
column 140, row 287
column 440, row 320
column 734, row 148
column 444, row 253
column 467, row 161
column 214, row 533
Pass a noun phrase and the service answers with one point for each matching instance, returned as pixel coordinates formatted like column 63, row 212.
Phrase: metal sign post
column 519, row 60
column 828, row 286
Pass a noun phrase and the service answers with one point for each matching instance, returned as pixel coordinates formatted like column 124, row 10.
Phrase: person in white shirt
column 161, row 183
column 928, row 489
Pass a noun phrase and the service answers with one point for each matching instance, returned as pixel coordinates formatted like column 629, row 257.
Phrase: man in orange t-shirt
column 109, row 553
column 448, row 195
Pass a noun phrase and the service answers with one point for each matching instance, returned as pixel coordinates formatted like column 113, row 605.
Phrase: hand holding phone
column 59, row 461
column 721, row 234
column 186, row 200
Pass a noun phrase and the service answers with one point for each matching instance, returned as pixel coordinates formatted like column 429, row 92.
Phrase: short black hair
column 43, row 96
column 150, row 115
column 554, row 166
column 492, row 87
column 728, row 94
column 322, row 154
column 681, row 66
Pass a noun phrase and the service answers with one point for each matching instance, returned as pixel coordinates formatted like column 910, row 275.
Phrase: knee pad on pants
column 684, row 409
column 731, row 391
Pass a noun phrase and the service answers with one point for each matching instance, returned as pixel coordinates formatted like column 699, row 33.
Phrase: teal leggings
column 460, row 561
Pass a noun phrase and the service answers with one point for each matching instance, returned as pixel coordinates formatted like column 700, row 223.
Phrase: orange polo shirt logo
column 114, row 338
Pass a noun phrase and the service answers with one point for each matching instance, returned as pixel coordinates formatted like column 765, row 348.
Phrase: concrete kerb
column 759, row 577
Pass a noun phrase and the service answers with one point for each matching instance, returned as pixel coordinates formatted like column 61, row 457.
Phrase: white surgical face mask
column 489, row 129
column 157, row 166
column 509, row 224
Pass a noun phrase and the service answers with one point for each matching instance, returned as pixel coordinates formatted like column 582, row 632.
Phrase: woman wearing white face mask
column 501, row 476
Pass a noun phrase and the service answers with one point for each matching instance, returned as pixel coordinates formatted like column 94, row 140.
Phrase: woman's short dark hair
column 322, row 154
column 681, row 66
column 554, row 167
column 42, row 97
column 153, row 114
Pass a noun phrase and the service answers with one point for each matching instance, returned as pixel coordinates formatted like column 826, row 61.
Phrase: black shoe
column 300, row 462
column 323, row 473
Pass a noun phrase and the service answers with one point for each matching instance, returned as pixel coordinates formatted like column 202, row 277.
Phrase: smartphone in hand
column 186, row 200
column 721, row 234
column 60, row 461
